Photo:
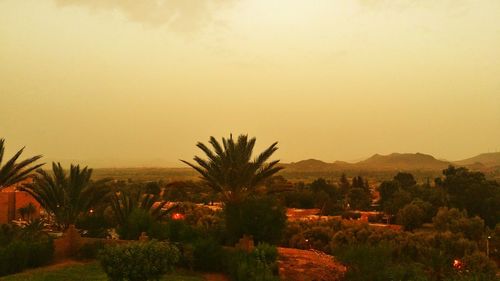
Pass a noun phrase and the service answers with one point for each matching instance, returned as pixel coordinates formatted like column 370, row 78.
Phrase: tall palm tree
column 12, row 172
column 229, row 168
column 67, row 196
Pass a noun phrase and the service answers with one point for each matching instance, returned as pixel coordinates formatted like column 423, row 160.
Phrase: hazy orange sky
column 127, row 83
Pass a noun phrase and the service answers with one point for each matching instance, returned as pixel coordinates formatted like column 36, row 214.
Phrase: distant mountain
column 403, row 161
column 309, row 165
column 394, row 161
column 486, row 160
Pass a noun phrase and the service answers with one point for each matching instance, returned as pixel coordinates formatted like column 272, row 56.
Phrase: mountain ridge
column 396, row 161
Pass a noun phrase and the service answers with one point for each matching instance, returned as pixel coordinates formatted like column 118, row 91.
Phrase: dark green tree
column 344, row 184
column 406, row 180
column 411, row 216
column 473, row 192
column 358, row 199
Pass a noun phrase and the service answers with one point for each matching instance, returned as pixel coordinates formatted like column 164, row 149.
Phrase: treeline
column 414, row 204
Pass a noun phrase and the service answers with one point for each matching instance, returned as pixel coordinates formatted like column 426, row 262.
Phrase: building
column 11, row 200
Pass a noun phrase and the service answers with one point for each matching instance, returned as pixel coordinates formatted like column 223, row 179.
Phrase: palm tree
column 124, row 202
column 138, row 212
column 67, row 196
column 12, row 172
column 229, row 168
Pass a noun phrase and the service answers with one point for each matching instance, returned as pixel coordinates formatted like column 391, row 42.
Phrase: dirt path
column 303, row 265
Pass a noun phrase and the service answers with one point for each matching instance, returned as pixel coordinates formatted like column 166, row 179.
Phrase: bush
column 262, row 217
column 259, row 265
column 20, row 251
column 14, row 257
column 479, row 264
column 180, row 231
column 41, row 252
column 207, row 255
column 138, row 261
column 137, row 222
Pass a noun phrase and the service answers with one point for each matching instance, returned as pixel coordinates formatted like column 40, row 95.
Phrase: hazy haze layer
column 140, row 82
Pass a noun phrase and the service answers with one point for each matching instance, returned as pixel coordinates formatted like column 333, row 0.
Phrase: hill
column 403, row 161
column 391, row 162
column 486, row 159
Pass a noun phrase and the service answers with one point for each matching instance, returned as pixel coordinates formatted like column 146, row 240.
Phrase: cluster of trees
column 413, row 204
column 386, row 254
column 330, row 198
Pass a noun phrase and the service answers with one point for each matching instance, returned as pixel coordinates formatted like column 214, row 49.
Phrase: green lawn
column 82, row 272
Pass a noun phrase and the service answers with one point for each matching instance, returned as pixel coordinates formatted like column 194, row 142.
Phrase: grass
column 82, row 272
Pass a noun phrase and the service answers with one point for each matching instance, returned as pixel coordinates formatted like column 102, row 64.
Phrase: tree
column 387, row 189
column 344, row 184
column 67, row 196
column 457, row 221
column 359, row 199
column 399, row 199
column 406, row 180
column 229, row 169
column 262, row 217
column 12, row 172
column 473, row 192
column 411, row 216
column 124, row 203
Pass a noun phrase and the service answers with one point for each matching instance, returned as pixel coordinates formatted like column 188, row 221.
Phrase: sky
column 137, row 83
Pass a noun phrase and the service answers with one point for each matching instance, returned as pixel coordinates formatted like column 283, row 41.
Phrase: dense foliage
column 262, row 217
column 459, row 188
column 139, row 261
column 23, row 248
column 259, row 265
column 387, row 254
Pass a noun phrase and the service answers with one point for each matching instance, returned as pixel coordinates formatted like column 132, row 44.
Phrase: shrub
column 366, row 260
column 262, row 217
column 41, row 252
column 138, row 261
column 479, row 264
column 207, row 255
column 259, row 265
column 180, row 231
column 137, row 222
column 21, row 250
column 14, row 257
